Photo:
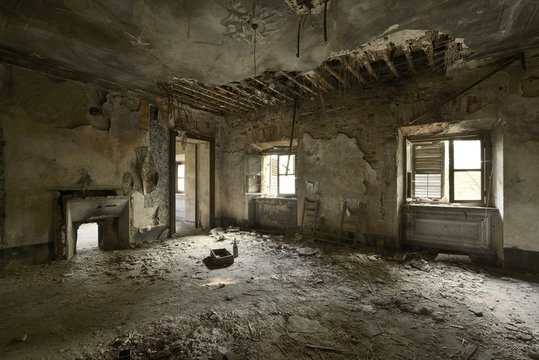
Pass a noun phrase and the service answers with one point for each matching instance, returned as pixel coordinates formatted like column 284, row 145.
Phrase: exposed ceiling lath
column 385, row 59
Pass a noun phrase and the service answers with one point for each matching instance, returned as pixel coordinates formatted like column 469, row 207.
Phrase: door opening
column 192, row 183
column 87, row 237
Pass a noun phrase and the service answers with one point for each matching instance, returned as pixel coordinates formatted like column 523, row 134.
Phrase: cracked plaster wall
column 350, row 149
column 52, row 142
column 346, row 153
column 519, row 118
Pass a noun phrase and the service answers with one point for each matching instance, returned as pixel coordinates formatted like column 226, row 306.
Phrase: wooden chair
column 309, row 219
column 350, row 220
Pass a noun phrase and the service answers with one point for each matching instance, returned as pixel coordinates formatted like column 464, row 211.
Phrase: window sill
column 269, row 197
column 446, row 205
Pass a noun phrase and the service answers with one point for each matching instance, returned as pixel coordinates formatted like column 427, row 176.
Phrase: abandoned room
column 269, row 179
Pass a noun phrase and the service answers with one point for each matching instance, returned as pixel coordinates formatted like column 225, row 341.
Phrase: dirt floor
column 281, row 299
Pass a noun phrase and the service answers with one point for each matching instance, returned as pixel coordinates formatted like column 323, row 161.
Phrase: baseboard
column 518, row 259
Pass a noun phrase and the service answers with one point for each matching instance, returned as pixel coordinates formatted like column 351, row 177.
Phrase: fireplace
column 104, row 207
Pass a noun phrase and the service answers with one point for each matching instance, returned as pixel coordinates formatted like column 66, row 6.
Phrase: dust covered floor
column 281, row 299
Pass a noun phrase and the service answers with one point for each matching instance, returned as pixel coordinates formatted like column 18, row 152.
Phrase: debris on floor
column 161, row 302
column 453, row 258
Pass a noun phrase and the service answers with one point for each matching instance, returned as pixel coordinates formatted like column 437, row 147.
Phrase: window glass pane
column 287, row 184
column 283, row 159
column 467, row 185
column 181, row 170
column 467, row 154
column 181, row 185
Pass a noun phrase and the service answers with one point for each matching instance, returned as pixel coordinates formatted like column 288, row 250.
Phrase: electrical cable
column 254, row 46
column 326, row 21
column 300, row 24
column 292, row 134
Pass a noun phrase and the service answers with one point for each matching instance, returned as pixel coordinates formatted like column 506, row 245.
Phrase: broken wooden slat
column 307, row 75
column 322, row 80
column 246, row 84
column 243, row 100
column 367, row 65
column 408, row 54
column 232, row 100
column 268, row 86
column 189, row 91
column 429, row 51
column 325, row 348
column 263, row 96
column 302, row 86
column 468, row 351
column 326, row 67
column 289, row 89
column 196, row 103
column 235, row 91
column 389, row 63
column 188, row 99
column 350, row 66
column 198, row 93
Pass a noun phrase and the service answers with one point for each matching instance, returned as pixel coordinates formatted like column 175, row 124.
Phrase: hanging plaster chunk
column 307, row 7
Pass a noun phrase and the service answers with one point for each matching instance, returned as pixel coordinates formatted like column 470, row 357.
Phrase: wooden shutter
column 274, row 173
column 428, row 163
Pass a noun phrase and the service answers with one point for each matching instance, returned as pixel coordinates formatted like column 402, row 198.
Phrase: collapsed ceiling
column 136, row 44
column 399, row 55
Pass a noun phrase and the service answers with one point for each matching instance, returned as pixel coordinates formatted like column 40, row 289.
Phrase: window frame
column 452, row 170
column 279, row 176
column 178, row 163
column 486, row 158
column 265, row 174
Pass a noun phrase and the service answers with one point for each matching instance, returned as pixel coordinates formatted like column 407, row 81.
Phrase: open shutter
column 274, row 174
column 428, row 162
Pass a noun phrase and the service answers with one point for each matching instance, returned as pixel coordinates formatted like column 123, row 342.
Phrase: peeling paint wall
column 349, row 148
column 333, row 170
column 66, row 135
column 520, row 121
column 347, row 153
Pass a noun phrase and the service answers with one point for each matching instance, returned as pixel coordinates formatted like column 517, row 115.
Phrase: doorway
column 87, row 237
column 192, row 203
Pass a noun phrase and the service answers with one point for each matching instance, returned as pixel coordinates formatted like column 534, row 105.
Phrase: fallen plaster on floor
column 282, row 298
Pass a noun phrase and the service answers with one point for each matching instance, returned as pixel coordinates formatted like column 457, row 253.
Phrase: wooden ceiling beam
column 316, row 84
column 197, row 104
column 322, row 80
column 390, row 64
column 327, row 68
column 349, row 64
column 367, row 65
column 302, row 86
column 233, row 100
column 234, row 91
column 408, row 54
column 190, row 91
column 267, row 86
column 429, row 51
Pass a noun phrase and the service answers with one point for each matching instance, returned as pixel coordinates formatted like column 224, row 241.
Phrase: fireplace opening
column 87, row 237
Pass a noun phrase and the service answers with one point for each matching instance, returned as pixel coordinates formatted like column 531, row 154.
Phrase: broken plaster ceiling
column 137, row 43
column 400, row 55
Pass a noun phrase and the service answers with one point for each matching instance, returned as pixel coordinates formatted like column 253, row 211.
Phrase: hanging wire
column 326, row 21
column 300, row 24
column 292, row 134
column 254, row 26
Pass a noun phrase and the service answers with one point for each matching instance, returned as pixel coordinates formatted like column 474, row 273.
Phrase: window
column 180, row 185
column 287, row 175
column 446, row 170
column 273, row 174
